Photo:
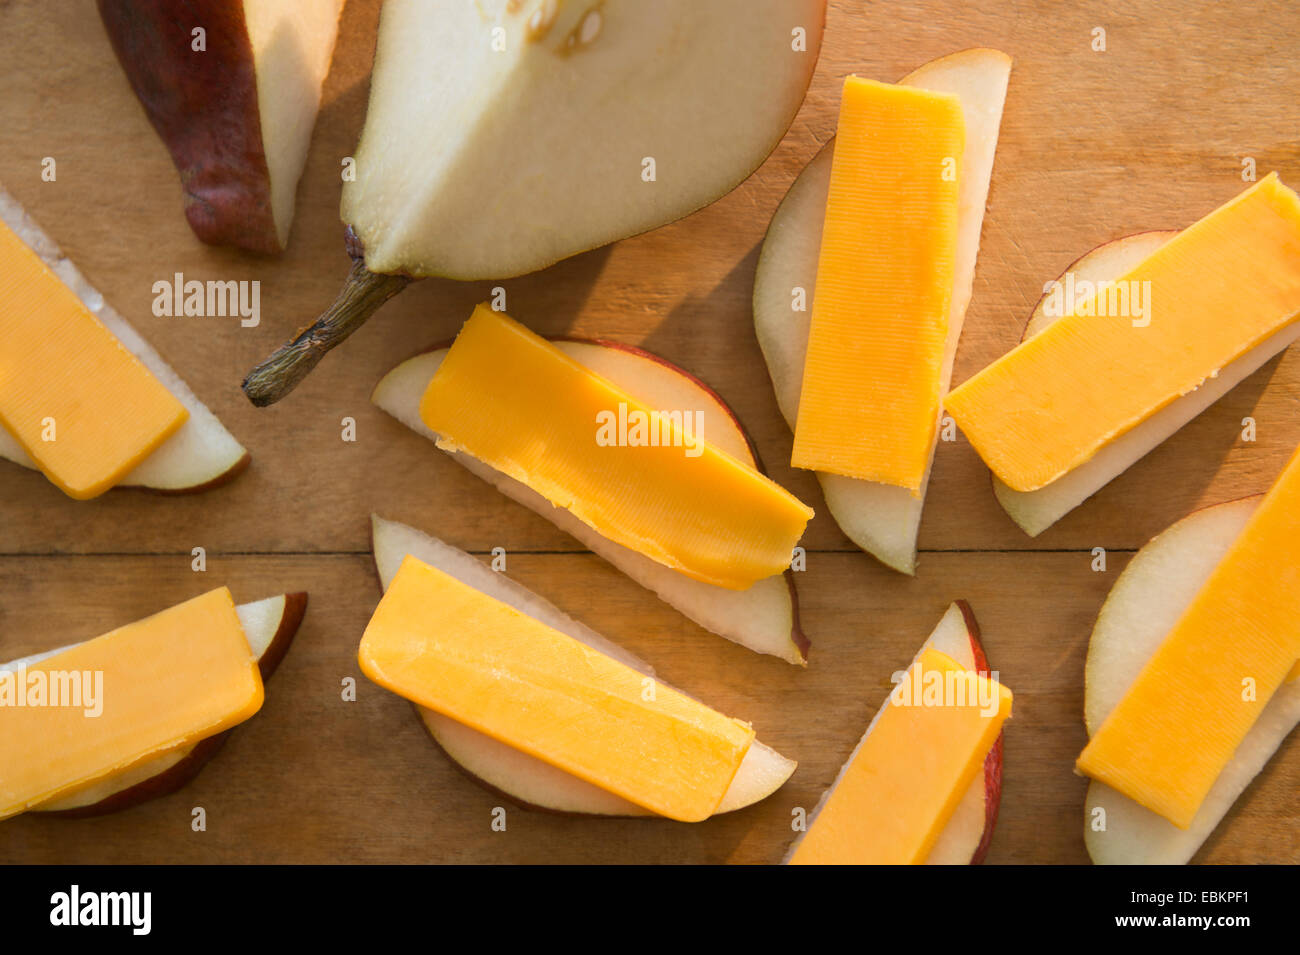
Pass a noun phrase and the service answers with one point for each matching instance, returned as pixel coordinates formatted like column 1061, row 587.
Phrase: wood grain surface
column 1149, row 134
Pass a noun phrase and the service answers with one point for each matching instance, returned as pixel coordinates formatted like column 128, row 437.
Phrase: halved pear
column 1146, row 601
column 881, row 519
column 236, row 115
column 1036, row 511
column 505, row 135
column 504, row 769
column 764, row 618
column 201, row 454
column 270, row 626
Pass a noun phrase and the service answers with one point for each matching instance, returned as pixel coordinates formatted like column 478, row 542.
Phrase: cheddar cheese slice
column 1204, row 298
column 83, row 407
column 869, row 405
column 1165, row 743
column 644, row 479
column 455, row 650
column 911, row 769
column 109, row 704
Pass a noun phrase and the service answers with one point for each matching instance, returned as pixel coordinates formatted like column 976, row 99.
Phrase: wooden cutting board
column 1149, row 134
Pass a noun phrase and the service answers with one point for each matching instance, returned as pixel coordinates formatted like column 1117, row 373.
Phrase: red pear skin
column 203, row 104
column 992, row 762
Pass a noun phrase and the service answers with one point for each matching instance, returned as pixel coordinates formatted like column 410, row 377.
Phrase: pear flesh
column 503, row 136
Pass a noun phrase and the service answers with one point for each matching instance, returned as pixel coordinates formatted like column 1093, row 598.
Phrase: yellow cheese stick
column 918, row 758
column 1208, row 295
column 83, row 407
column 869, row 404
column 1168, row 739
column 457, row 651
column 518, row 403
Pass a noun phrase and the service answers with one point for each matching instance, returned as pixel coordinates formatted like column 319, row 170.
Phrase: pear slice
column 504, row 769
column 1146, row 601
column 966, row 837
column 237, row 114
column 505, row 135
column 270, row 626
column 881, row 519
column 1036, row 511
column 969, row 833
column 202, row 454
column 763, row 618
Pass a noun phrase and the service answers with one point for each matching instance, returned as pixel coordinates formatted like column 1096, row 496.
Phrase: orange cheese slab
column 459, row 652
column 83, row 407
column 103, row 706
column 869, row 405
column 1169, row 738
column 518, row 403
column 1122, row 353
column 911, row 769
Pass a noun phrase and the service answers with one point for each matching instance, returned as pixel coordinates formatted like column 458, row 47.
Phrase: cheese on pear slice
column 522, row 405
column 447, row 646
column 83, row 407
column 1036, row 511
column 1150, row 595
column 201, row 453
column 882, row 519
column 513, row 772
column 1206, row 297
column 1178, row 725
column 269, row 626
column 869, row 404
column 911, row 769
column 161, row 683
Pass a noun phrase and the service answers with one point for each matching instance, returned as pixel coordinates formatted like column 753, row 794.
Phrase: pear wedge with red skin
column 202, row 454
column 764, row 618
column 966, row 838
column 529, row 781
column 234, row 105
column 881, row 519
column 270, row 626
column 1036, row 511
column 1147, row 600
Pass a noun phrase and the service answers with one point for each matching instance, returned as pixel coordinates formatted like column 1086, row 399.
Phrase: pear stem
column 361, row 295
